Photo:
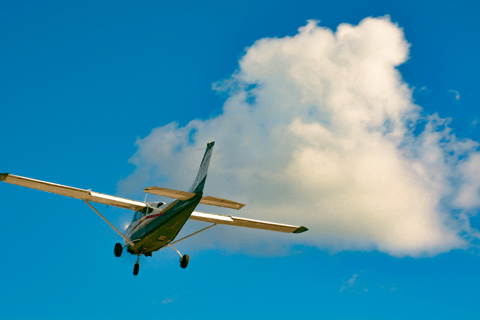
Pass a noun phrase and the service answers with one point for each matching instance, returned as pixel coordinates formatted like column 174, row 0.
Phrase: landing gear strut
column 118, row 250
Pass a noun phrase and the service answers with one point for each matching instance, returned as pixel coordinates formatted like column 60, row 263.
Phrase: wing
column 182, row 195
column 72, row 192
column 244, row 222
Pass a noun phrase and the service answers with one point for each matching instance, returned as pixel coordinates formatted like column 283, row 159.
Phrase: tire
column 184, row 261
column 118, row 250
column 136, row 268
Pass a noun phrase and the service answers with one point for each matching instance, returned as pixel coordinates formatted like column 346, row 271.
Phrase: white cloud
column 318, row 131
column 170, row 299
column 350, row 283
column 457, row 95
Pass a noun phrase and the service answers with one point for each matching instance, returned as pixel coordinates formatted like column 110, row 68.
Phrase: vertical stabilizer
column 199, row 182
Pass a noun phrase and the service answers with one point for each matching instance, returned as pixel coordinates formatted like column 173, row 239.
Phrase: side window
column 137, row 216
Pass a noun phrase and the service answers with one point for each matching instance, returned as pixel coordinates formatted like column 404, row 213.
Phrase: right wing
column 72, row 192
column 244, row 222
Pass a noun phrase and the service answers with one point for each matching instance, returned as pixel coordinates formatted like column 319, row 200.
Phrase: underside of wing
column 72, row 192
column 244, row 222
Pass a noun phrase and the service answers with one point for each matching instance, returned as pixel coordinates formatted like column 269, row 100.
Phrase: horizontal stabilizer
column 175, row 194
column 72, row 192
column 182, row 195
column 244, row 222
column 219, row 202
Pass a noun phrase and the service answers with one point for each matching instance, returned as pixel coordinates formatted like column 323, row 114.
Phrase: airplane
column 155, row 225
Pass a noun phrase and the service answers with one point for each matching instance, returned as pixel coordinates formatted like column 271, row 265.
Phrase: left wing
column 244, row 222
column 72, row 192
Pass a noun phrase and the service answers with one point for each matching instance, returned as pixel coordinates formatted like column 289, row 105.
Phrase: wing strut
column 213, row 225
column 111, row 225
column 170, row 244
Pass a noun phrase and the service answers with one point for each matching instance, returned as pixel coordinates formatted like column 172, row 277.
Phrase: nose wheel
column 184, row 260
column 136, row 266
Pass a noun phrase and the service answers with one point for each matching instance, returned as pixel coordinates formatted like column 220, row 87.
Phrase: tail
column 199, row 182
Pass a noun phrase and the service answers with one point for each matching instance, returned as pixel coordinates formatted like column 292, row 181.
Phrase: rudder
column 199, row 182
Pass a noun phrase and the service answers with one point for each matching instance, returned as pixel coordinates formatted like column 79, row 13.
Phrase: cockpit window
column 142, row 213
column 146, row 210
column 160, row 204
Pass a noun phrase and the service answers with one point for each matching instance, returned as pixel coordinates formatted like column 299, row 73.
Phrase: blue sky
column 80, row 83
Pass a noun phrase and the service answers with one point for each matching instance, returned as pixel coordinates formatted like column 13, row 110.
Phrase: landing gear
column 118, row 250
column 136, row 267
column 184, row 261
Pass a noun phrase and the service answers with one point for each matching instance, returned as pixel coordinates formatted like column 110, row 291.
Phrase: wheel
column 118, row 250
column 136, row 267
column 184, row 261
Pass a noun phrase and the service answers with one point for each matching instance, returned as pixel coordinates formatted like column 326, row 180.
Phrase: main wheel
column 118, row 250
column 184, row 261
column 136, row 267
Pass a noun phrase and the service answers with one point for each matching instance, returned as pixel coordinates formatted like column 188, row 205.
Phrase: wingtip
column 3, row 176
column 239, row 206
column 300, row 230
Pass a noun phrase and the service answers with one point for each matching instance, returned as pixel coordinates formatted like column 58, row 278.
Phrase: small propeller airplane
column 156, row 224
